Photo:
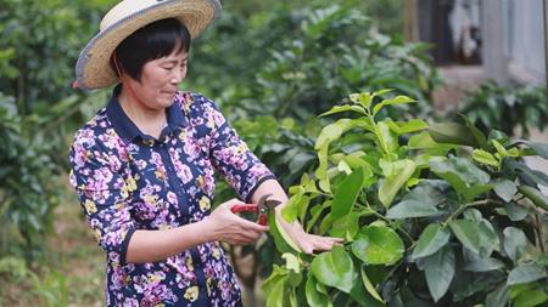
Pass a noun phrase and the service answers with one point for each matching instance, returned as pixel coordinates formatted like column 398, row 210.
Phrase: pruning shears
column 259, row 211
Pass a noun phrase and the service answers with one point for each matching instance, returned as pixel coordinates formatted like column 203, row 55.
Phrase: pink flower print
column 218, row 118
column 191, row 147
column 118, row 278
column 172, row 198
column 114, row 162
column 157, row 159
column 184, row 172
column 131, row 302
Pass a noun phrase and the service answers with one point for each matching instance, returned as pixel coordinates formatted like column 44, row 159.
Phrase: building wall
column 525, row 44
column 512, row 36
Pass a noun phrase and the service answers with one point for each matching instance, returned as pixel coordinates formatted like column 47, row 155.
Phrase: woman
column 143, row 167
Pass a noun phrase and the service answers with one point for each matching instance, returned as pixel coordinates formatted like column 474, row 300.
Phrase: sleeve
column 103, row 194
column 243, row 171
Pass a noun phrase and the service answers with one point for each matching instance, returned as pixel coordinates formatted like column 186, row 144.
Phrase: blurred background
column 272, row 66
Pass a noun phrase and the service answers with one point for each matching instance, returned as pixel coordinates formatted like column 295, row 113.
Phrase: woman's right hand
column 225, row 226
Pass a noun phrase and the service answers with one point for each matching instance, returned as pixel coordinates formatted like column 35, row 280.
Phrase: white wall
column 525, row 43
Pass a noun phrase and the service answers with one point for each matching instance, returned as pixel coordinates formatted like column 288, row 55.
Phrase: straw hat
column 93, row 70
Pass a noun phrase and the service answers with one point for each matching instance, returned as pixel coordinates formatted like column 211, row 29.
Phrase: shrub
column 433, row 214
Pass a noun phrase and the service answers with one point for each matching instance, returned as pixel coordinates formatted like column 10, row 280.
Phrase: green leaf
column 489, row 240
column 274, row 286
column 476, row 263
column 420, row 202
column 526, row 273
column 370, row 287
column 515, row 243
column 398, row 100
column 283, row 241
column 346, row 227
column 528, row 176
column 541, row 149
column 499, row 297
column 276, row 294
column 519, row 288
column 452, row 133
column 401, row 171
column 382, row 92
column 505, row 189
column 388, row 141
column 486, row 158
column 468, row 234
column 440, row 270
column 411, row 208
column 481, row 265
column 363, row 99
column 292, row 262
column 515, row 212
column 424, row 141
column 411, row 126
column 431, row 241
column 531, row 298
column 339, row 109
column 321, row 172
column 331, row 133
column 468, row 180
column 316, row 212
column 478, row 135
column 313, row 297
column 346, row 195
column 279, row 240
column 360, row 294
column 378, row 245
column 291, row 210
column 335, row 269
column 537, row 197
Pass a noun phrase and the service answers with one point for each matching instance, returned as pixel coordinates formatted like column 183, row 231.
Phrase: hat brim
column 93, row 70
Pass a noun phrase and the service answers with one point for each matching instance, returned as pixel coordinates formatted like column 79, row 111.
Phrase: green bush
column 433, row 214
column 27, row 194
column 40, row 43
column 302, row 61
column 305, row 59
column 513, row 110
column 39, row 110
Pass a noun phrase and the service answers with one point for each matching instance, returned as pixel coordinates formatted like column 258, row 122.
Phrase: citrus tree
column 432, row 214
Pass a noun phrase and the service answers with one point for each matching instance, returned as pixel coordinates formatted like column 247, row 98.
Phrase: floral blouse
column 128, row 181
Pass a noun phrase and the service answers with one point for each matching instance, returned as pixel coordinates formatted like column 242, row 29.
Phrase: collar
column 129, row 131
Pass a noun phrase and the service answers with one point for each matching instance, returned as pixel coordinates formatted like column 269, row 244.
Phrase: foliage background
column 306, row 57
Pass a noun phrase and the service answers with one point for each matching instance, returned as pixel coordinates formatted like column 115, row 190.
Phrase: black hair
column 153, row 41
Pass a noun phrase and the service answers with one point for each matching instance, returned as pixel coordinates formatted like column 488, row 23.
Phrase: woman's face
column 160, row 79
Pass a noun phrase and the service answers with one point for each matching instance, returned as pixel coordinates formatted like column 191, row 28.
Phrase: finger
column 332, row 241
column 307, row 248
column 248, row 225
column 335, row 239
column 252, row 235
column 239, row 239
column 320, row 243
column 232, row 202
column 320, row 246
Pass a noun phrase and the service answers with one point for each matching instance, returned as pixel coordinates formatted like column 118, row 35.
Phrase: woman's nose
column 178, row 76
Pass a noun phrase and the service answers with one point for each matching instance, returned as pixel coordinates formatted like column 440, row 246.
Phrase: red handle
column 262, row 219
column 245, row 208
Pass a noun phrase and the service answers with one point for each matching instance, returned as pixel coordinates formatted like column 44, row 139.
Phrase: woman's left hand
column 308, row 243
